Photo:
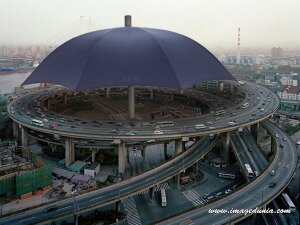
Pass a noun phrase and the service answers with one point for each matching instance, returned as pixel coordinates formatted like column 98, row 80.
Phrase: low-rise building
column 289, row 93
column 92, row 170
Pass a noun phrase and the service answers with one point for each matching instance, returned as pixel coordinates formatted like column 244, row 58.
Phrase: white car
column 231, row 123
column 158, row 132
column 199, row 126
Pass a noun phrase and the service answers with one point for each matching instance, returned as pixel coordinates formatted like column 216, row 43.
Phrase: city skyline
column 263, row 25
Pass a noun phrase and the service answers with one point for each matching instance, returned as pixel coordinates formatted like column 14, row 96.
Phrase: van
column 218, row 194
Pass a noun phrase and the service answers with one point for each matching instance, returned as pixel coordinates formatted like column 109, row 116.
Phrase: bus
column 165, row 123
column 37, row 122
column 227, row 175
column 288, row 202
column 220, row 112
column 245, row 105
column 163, row 197
column 248, row 170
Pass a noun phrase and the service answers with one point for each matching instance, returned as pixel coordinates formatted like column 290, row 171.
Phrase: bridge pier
column 220, row 87
column 224, row 148
column 65, row 98
column 24, row 137
column 15, row 130
column 69, row 151
column 93, row 154
column 151, row 193
column 122, row 158
column 178, row 146
column 144, row 158
column 118, row 206
column 166, row 150
column 107, row 92
column 53, row 147
column 231, row 91
column 76, row 219
column 254, row 130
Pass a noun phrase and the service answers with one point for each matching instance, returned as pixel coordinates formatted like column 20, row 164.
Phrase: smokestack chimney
column 128, row 21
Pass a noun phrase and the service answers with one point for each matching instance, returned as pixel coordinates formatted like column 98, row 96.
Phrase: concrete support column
column 15, row 130
column 178, row 181
column 122, row 158
column 254, row 130
column 131, row 102
column 231, row 91
column 93, row 155
column 178, row 146
column 69, row 151
column 118, row 206
column 151, row 94
column 145, row 161
column 76, row 219
column 65, row 98
column 225, row 141
column 24, row 137
column 220, row 87
column 151, row 192
column 107, row 92
column 166, row 150
column 53, row 147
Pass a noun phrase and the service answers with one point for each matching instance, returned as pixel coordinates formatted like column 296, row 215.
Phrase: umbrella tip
column 128, row 21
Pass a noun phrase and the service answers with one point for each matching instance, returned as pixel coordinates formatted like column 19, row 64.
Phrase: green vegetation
column 2, row 102
column 292, row 130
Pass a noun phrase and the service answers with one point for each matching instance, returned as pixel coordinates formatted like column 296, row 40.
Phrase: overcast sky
column 213, row 23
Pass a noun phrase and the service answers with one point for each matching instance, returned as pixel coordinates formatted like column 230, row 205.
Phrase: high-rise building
column 276, row 52
column 3, row 51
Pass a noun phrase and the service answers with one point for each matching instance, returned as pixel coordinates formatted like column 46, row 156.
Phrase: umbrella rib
column 164, row 54
column 94, row 46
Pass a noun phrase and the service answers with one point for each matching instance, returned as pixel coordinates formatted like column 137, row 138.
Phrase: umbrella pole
column 131, row 102
column 130, row 89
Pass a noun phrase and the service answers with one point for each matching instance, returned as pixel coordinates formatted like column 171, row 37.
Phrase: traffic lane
column 247, row 110
column 261, row 183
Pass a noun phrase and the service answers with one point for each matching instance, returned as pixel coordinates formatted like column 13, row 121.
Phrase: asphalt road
column 117, row 191
column 255, row 193
column 258, row 98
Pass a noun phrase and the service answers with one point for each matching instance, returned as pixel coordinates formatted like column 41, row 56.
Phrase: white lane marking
column 64, row 208
column 96, row 198
column 246, row 200
column 28, row 218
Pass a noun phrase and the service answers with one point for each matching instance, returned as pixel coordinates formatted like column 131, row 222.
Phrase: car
column 231, row 123
column 210, row 197
column 276, row 135
column 45, row 121
column 217, row 118
column 158, row 132
column 281, row 146
column 72, row 126
column 272, row 173
column 50, row 209
column 250, row 149
column 218, row 194
column 52, row 125
column 228, row 191
column 284, row 139
column 272, row 184
column 114, row 131
column 83, row 122
column 209, row 123
column 256, row 173
column 254, row 114
column 211, row 128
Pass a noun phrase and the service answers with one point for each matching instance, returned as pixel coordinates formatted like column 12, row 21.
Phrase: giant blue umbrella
column 129, row 56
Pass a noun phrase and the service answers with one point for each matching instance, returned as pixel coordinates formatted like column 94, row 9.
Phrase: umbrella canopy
column 129, row 56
